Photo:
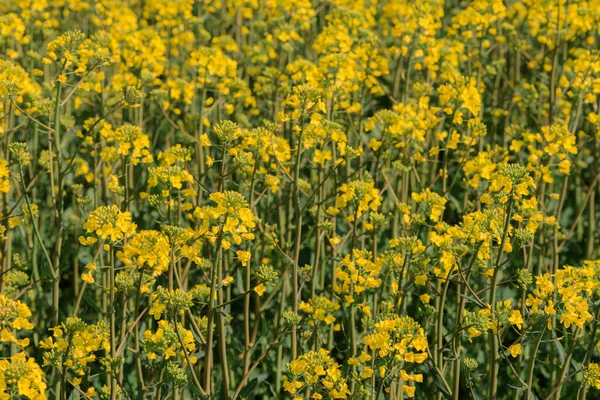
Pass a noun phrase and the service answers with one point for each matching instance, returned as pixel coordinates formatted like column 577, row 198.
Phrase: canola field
column 299, row 199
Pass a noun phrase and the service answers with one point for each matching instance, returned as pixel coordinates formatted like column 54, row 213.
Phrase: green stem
column 113, row 323
column 187, row 358
column 494, row 345
column 298, row 241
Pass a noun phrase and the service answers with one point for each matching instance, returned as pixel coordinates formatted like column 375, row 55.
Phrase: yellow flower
column 367, row 372
column 318, row 370
column 108, row 222
column 227, row 280
column 170, row 352
column 87, row 278
column 260, row 289
column 421, row 280
column 322, row 156
column 14, row 222
column 515, row 350
column 515, row 318
column 22, row 375
column 409, row 390
column 244, row 257
column 471, row 98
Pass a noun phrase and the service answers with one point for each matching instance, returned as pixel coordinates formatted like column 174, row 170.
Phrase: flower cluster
column 319, row 372
column 109, row 224
column 308, row 199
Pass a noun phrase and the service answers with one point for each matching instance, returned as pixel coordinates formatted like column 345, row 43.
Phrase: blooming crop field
column 299, row 199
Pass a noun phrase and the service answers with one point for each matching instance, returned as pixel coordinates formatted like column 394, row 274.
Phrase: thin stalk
column 493, row 377
column 113, row 323
column 187, row 359
column 298, row 240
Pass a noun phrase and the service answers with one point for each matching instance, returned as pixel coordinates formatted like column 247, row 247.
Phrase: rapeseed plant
column 305, row 199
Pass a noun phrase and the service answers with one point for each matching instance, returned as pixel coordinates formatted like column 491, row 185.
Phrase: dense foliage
column 307, row 199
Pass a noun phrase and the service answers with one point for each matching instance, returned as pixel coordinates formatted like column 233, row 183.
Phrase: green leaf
column 75, row 395
column 92, row 303
column 196, row 391
column 438, row 382
column 249, row 388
